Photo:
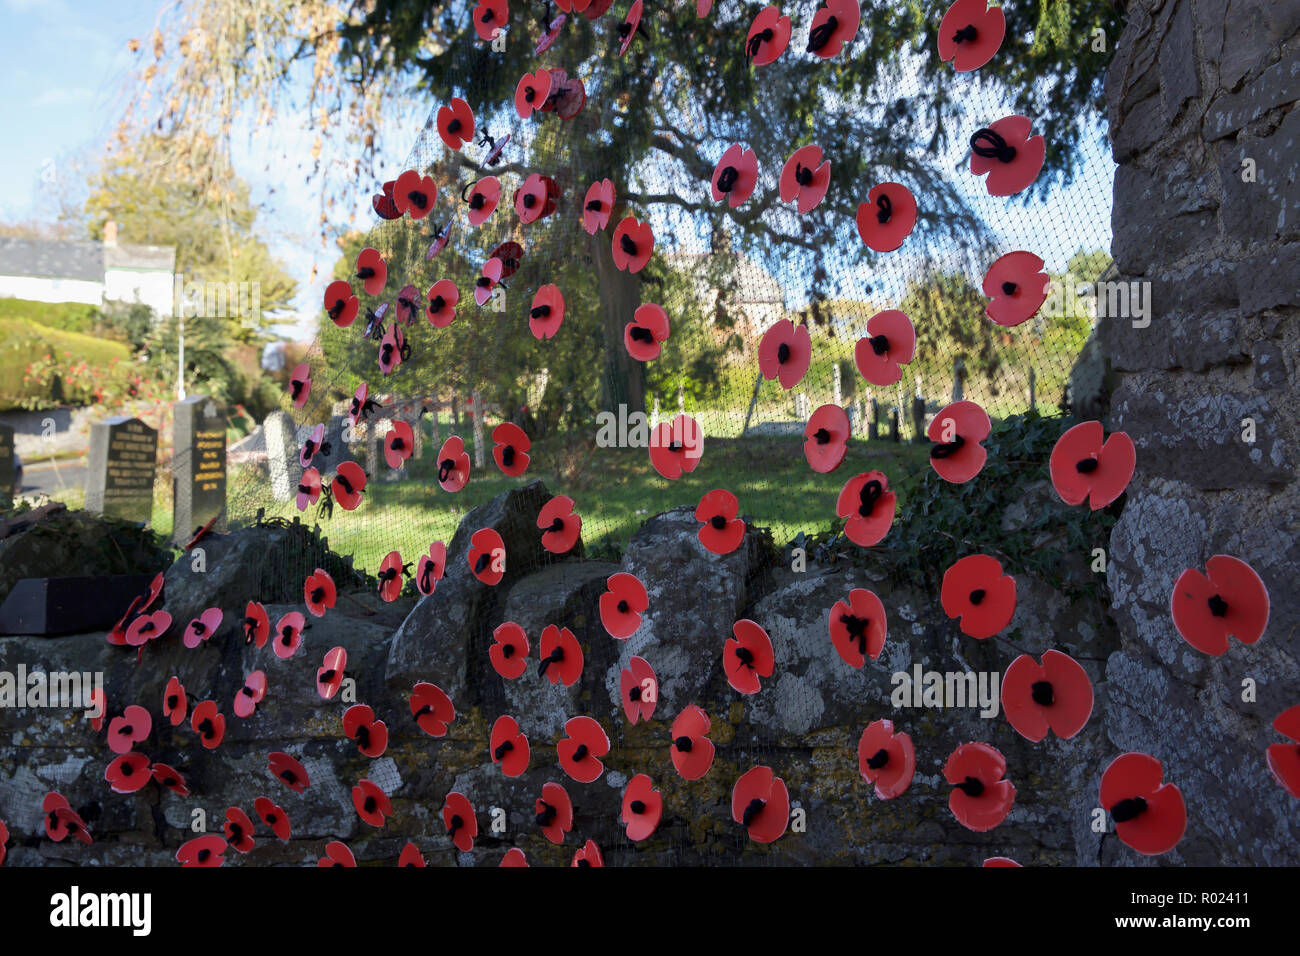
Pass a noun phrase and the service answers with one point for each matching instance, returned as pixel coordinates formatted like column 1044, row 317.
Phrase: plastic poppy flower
column 1083, row 467
column 561, row 526
column 886, row 759
column 337, row 854
column 826, row 438
column 597, row 206
column 458, row 817
column 372, row 270
column 760, row 803
column 692, row 750
column 371, row 735
column 514, row 858
column 703, row 8
column 206, row 850
column 509, row 652
column 632, row 245
column 627, row 29
column 440, row 239
column 456, row 123
column 536, row 198
column 140, row 603
column 382, row 201
column 784, row 353
column 238, row 830
column 1284, row 759
column 567, row 97
column 128, row 730
column 858, row 628
column 1016, row 285
column 511, row 255
column 490, row 17
column 747, row 656
column 644, row 336
column 1229, row 600
column 982, row 799
column 453, row 464
column 588, row 855
column 805, row 178
column 440, row 309
column 970, row 34
column 890, row 343
column 1008, row 154
column 721, row 532
column 319, row 593
column 392, row 349
column 768, row 36
column 554, row 812
column 329, row 676
column 508, row 747
column 887, row 217
column 1150, row 816
column 550, row 34
column 867, row 506
column 288, row 771
column 175, row 703
column 736, row 175
column 643, row 806
column 399, row 444
column 531, row 92
column 128, row 773
column 510, row 449
column 209, row 723
column 639, row 689
column 371, row 803
column 288, row 634
column 833, row 26
column 148, row 627
column 956, row 432
column 580, row 751
column 1055, row 695
column 483, row 198
column 309, row 489
column 546, row 314
column 250, row 695
column 169, row 777
column 361, row 405
column 487, row 280
column 411, row 856
column 432, row 709
column 487, row 556
column 257, row 625
column 202, row 627
column 1001, row 861
column 273, row 816
column 676, row 447
column 300, row 384
column 348, row 485
column 341, row 305
column 414, row 194
column 311, row 446
column 561, row 656
column 975, row 590
column 622, row 605
column 430, row 568
column 61, row 821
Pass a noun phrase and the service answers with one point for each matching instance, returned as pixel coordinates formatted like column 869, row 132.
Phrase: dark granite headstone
column 8, row 475
column 198, row 466
column 120, row 469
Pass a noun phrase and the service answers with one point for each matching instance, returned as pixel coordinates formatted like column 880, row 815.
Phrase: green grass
column 65, row 316
column 24, row 340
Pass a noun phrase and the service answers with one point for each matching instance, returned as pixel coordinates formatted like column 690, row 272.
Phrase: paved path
column 53, row 478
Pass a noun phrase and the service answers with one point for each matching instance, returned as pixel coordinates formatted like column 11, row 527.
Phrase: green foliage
column 66, row 316
column 44, row 367
column 208, row 366
column 947, row 310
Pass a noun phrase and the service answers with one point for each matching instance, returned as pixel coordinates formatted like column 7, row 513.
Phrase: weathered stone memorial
column 121, row 466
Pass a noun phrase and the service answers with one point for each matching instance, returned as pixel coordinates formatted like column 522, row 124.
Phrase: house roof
column 78, row 258
column 152, row 258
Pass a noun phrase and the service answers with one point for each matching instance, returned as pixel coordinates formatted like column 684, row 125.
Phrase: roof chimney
column 110, row 233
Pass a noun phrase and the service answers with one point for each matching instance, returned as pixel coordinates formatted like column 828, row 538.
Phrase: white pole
column 180, row 362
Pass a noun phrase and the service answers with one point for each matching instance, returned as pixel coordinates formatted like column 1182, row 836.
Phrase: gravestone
column 282, row 455
column 120, row 469
column 8, row 474
column 338, row 446
column 198, row 466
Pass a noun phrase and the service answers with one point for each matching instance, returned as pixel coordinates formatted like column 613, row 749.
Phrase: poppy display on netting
column 760, row 802
column 805, row 177
column 639, row 689
column 580, row 750
column 128, row 773
column 207, row 850
column 975, row 591
column 348, row 485
column 747, row 657
column 554, row 812
column 887, row 217
column 487, row 556
column 561, row 656
column 460, row 821
column 1017, row 286
column 1007, row 154
column 337, row 854
column 508, row 746
column 509, row 650
column 622, row 605
column 561, row 526
column 643, row 806
column 1229, row 600
column 1284, row 759
column 440, row 307
column 589, row 853
column 273, row 815
column 735, row 176
column 319, row 592
column 453, row 464
column 721, row 531
column 768, row 36
column 370, row 733
column 430, row 568
column 288, row 634
column 373, row 806
column 833, row 27
column 252, row 693
column 288, row 771
column 676, row 447
column 867, row 506
column 546, row 313
column 644, row 336
column 175, row 701
column 886, row 759
column 132, row 727
column 1055, row 695
column 432, row 708
column 981, row 798
column 858, row 627
column 1150, row 815
column 256, row 624
column 632, row 244
column 597, row 206
column 784, row 353
column 372, row 270
column 209, row 723
column 510, row 449
column 1085, row 465
column 482, row 199
column 826, row 438
column 456, row 123
column 329, row 676
column 957, row 454
column 411, row 856
column 970, row 34
column 169, row 777
column 692, row 750
column 342, row 305
column 238, row 830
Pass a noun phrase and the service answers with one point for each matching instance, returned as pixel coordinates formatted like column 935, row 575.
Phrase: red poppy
column 639, row 690
column 644, row 336
column 867, row 506
column 957, row 431
column 142, row 603
column 148, row 627
column 169, row 777
column 458, row 817
column 970, row 34
column 382, row 202
column 399, row 444
column 414, row 194
column 309, row 488
column 511, row 255
column 561, row 656
column 257, row 625
column 441, row 308
column 536, row 198
column 453, row 464
column 206, row 850
column 1055, row 695
column 1150, row 816
column 982, row 799
column 531, row 92
column 337, row 854
column 736, row 175
column 550, row 34
column 1284, row 759
column 676, row 447
column 1083, row 467
column 483, row 199
column 760, row 803
column 510, row 449
column 859, row 628
column 627, row 29
column 580, row 751
column 392, row 349
column 721, row 532
column 202, row 627
column 805, row 178
column 747, row 656
column 887, row 217
column 561, row 527
column 487, row 556
column 175, row 703
column 833, row 26
column 209, row 723
column 61, row 821
column 886, row 759
column 250, row 695
column 238, row 830
column 430, row 568
column 784, row 353
column 440, row 238
column 348, row 485
column 490, row 16
column 1007, row 152
column 509, row 653
column 632, row 245
column 1016, row 285
column 329, row 676
column 411, row 856
column 826, row 438
column 692, row 750
column 128, row 773
column 702, row 7
column 372, row 270
column 128, row 730
column 1002, row 861
column 554, row 812
column 489, row 277
column 319, row 593
column 975, row 590
column 597, row 206
column 288, row 771
column 288, row 634
column 508, row 747
column 768, row 36
column 514, row 857
column 1230, row 600
column 371, row 735
column 890, row 342
column 622, row 605
column 456, row 123
column 311, row 446
column 273, row 816
column 589, row 854
column 371, row 803
column 643, row 806
column 342, row 306
column 432, row 708
column 547, row 312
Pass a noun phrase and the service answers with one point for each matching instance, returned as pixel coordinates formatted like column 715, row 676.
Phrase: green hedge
column 66, row 316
